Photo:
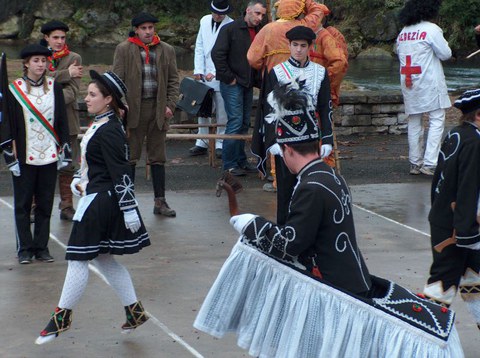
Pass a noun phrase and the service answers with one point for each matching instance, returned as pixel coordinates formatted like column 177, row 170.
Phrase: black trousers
column 38, row 181
column 285, row 183
column 451, row 264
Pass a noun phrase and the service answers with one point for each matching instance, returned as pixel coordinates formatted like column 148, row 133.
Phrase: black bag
column 195, row 98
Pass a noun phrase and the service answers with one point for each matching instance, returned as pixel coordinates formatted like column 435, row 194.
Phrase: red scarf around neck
column 56, row 56
column 146, row 47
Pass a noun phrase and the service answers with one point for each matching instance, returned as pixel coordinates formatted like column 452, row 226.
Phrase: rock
column 54, row 9
column 97, row 22
column 380, row 27
column 10, row 28
column 375, row 53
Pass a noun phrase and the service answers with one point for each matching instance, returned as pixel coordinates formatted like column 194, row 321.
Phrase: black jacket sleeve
column 324, row 110
column 61, row 121
column 220, row 53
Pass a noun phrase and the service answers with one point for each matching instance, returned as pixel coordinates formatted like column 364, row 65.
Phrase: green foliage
column 458, row 18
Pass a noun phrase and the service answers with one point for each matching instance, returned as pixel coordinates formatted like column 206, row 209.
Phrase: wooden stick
column 473, row 54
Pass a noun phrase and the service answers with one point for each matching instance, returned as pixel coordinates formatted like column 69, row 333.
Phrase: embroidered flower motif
column 279, row 132
column 296, row 119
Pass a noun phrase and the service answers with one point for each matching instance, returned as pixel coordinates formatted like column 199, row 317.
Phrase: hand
column 209, row 77
column 15, row 169
column 132, row 221
column 276, row 150
column 240, row 222
column 234, row 82
column 198, row 77
column 477, row 29
column 168, row 113
column 325, row 150
column 75, row 187
column 75, row 71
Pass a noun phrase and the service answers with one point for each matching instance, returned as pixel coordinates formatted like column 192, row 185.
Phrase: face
column 254, row 15
column 95, row 101
column 36, row 66
column 217, row 17
column 56, row 39
column 299, row 50
column 145, row 32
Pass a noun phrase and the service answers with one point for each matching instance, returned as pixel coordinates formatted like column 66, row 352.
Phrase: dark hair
column 469, row 117
column 255, row 2
column 106, row 92
column 304, row 148
column 415, row 11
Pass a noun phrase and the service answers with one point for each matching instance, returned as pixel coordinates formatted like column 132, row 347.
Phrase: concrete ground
column 173, row 275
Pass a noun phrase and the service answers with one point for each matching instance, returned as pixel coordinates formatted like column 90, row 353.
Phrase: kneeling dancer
column 302, row 289
column 107, row 221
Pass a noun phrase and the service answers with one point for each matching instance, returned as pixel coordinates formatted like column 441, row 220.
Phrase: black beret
column 469, row 101
column 142, row 18
column 34, row 50
column 52, row 26
column 301, row 33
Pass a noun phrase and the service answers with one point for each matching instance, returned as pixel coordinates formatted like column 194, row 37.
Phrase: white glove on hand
column 15, row 169
column 276, row 150
column 132, row 221
column 240, row 222
column 73, row 187
column 325, row 150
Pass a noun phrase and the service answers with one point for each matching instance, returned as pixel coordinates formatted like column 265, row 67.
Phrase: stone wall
column 370, row 112
column 360, row 112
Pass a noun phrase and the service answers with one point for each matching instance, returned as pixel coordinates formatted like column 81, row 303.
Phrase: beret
column 469, row 101
column 34, row 50
column 52, row 26
column 142, row 18
column 301, row 33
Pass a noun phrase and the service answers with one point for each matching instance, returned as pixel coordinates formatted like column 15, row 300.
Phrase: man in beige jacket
column 66, row 67
column 148, row 67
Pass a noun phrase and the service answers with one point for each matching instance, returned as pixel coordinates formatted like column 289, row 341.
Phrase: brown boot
column 66, row 201
column 161, row 208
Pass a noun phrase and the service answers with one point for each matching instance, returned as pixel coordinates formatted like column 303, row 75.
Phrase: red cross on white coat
column 408, row 70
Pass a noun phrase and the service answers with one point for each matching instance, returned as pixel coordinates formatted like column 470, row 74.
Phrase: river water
column 367, row 74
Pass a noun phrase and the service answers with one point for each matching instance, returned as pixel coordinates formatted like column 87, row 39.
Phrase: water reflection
column 383, row 74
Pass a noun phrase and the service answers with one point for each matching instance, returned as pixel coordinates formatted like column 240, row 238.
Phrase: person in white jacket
column 421, row 47
column 205, row 70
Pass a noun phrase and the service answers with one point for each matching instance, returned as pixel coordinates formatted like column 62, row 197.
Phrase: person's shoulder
column 167, row 47
column 206, row 18
column 123, row 45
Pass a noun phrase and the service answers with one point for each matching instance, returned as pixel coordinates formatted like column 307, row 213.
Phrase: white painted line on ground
column 391, row 220
column 154, row 319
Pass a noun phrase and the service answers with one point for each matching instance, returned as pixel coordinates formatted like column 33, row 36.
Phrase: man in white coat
column 421, row 47
column 205, row 70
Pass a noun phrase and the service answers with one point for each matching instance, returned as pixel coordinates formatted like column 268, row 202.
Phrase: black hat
column 301, row 33
column 220, row 7
column 295, row 113
column 113, row 83
column 52, row 26
column 34, row 50
column 469, row 101
column 142, row 18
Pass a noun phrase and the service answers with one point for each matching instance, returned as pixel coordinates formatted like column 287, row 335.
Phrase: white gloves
column 73, row 187
column 325, row 150
column 240, row 222
column 276, row 150
column 15, row 169
column 132, row 221
column 61, row 163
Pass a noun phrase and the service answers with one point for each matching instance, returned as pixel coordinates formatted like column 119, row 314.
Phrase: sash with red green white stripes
column 25, row 101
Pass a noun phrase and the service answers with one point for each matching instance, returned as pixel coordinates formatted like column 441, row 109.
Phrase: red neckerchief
column 135, row 40
column 57, row 55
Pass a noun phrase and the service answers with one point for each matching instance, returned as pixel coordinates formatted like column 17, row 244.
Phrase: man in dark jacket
column 236, row 82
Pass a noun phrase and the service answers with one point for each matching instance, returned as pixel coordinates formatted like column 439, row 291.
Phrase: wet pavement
column 174, row 274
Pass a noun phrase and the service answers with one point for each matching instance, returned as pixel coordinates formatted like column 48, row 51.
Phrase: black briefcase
column 195, row 98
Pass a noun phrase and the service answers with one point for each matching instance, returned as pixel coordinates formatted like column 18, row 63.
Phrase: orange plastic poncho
column 270, row 46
